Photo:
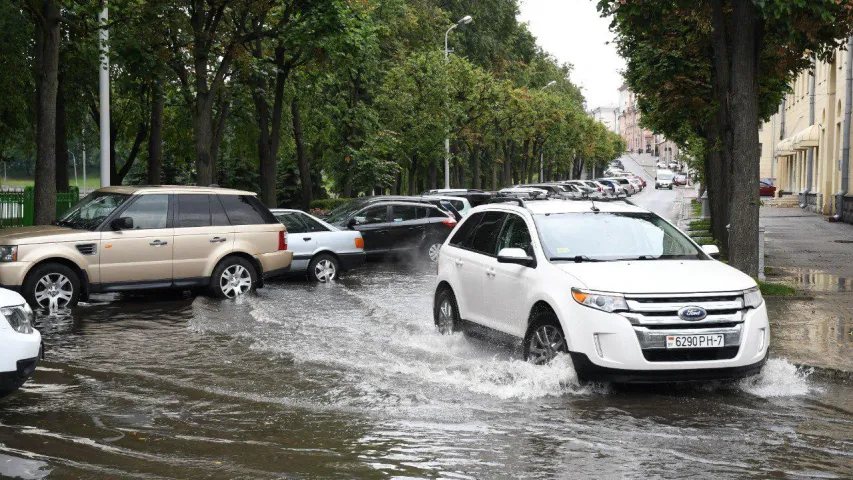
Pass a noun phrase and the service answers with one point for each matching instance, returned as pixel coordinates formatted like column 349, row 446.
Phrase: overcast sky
column 573, row 32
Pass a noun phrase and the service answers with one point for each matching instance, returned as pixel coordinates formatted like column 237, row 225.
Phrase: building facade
column 637, row 139
column 801, row 145
column 609, row 116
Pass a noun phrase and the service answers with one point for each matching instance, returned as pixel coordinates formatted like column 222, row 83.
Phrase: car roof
column 556, row 206
column 149, row 189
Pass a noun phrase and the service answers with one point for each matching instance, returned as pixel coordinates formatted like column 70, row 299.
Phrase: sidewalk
column 802, row 249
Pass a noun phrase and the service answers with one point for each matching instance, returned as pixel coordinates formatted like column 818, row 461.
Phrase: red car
column 766, row 189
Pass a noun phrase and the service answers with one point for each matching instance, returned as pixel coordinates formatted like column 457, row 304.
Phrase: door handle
column 459, row 263
column 217, row 240
column 307, row 239
column 490, row 272
column 158, row 243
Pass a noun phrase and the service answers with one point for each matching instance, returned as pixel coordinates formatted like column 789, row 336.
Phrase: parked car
column 396, row 225
column 320, row 250
column 575, row 277
column 661, row 165
column 673, row 166
column 680, row 179
column 586, row 190
column 766, row 189
column 663, row 179
column 524, row 192
column 617, row 188
column 139, row 238
column 460, row 204
column 20, row 342
column 630, row 188
column 475, row 197
column 617, row 163
column 637, row 183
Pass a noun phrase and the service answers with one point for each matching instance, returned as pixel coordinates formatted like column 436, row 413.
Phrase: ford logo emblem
column 692, row 314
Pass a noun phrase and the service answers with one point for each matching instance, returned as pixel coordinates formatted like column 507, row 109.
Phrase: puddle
column 811, row 279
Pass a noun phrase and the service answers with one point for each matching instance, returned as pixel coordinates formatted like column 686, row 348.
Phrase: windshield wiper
column 576, row 259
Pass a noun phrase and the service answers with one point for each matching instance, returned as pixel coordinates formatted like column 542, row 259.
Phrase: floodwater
column 351, row 380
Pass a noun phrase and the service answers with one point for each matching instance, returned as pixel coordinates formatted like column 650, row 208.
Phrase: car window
column 217, row 213
column 242, row 210
column 291, row 222
column 313, row 225
column 435, row 212
column 148, row 212
column 404, row 213
column 193, row 211
column 371, row 215
column 515, row 234
column 484, row 238
column 464, row 230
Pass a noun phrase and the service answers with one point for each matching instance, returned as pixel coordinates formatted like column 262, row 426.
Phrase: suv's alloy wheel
column 433, row 250
column 52, row 286
column 544, row 341
column 232, row 278
column 446, row 313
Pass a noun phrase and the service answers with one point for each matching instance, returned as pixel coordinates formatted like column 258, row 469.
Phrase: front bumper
column 18, row 359
column 607, row 346
column 12, row 274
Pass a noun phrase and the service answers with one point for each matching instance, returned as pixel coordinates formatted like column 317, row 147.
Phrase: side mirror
column 122, row 223
column 517, row 256
column 711, row 250
column 352, row 223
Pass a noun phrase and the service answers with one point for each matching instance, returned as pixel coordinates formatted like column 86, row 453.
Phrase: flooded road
column 352, row 380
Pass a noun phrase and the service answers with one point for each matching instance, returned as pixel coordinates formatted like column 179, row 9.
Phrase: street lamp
column 462, row 21
column 542, row 152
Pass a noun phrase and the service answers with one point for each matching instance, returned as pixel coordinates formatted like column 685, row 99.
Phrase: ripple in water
column 779, row 378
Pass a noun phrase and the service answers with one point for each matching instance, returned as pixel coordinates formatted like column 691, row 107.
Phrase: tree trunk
column 494, row 175
column 155, row 138
column 413, row 171
column 507, row 176
column 219, row 134
column 61, row 137
column 433, row 175
column 47, row 67
column 475, row 167
column 745, row 44
column 203, row 129
column 301, row 159
column 720, row 129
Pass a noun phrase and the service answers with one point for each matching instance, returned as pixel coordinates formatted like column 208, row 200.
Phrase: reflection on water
column 812, row 280
column 351, row 380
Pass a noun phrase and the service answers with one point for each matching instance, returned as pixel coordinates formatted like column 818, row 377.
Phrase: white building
column 609, row 116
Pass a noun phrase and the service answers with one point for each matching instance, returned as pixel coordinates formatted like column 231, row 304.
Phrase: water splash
column 779, row 378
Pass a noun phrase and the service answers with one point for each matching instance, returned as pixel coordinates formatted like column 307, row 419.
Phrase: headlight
column 9, row 253
column 606, row 302
column 20, row 318
column 752, row 298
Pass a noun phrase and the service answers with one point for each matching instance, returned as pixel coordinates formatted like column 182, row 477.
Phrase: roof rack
column 516, row 200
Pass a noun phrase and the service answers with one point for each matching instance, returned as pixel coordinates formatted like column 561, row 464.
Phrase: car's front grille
column 654, row 317
column 87, row 248
column 691, row 354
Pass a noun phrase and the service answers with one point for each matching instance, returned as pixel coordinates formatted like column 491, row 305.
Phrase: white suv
column 625, row 293
column 20, row 343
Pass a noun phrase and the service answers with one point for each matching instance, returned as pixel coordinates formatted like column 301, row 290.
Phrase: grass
column 776, row 289
column 92, row 181
column 697, row 224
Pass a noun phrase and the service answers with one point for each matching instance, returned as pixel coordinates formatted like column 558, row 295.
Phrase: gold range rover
column 142, row 238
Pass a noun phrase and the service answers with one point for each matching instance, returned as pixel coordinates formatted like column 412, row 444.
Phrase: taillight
column 450, row 222
column 282, row 240
column 359, row 242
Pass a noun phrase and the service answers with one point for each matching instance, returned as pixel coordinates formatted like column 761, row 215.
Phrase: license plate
column 695, row 341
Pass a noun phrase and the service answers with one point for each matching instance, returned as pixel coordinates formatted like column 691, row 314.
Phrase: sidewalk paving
column 804, row 250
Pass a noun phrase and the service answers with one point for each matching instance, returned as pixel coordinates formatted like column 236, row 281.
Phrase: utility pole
column 463, row 21
column 104, row 90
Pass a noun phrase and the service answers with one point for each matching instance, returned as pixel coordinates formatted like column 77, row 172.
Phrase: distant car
column 766, row 189
column 614, row 187
column 637, row 182
column 460, row 204
column 590, row 191
column 680, row 179
column 320, row 250
column 673, row 166
column 661, row 166
column 629, row 187
column 664, row 179
column 475, row 197
column 524, row 192
column 20, row 343
column 396, row 225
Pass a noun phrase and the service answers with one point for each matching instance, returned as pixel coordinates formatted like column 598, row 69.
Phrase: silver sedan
column 320, row 250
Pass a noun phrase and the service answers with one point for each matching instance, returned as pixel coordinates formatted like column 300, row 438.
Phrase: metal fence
column 17, row 205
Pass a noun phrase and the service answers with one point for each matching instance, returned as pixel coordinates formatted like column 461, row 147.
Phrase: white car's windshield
column 665, row 176
column 612, row 236
column 90, row 212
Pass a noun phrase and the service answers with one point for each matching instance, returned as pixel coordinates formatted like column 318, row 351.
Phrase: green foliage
column 329, row 203
column 776, row 289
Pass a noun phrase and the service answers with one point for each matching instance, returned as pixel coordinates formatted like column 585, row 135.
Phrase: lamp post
column 463, row 21
column 542, row 152
column 74, row 157
column 104, row 90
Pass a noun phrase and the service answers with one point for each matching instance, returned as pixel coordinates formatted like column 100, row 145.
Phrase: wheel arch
column 81, row 273
column 254, row 262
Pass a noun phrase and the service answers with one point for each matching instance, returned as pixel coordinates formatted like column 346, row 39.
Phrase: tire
column 446, row 312
column 431, row 248
column 670, row 187
column 324, row 268
column 52, row 286
column 544, row 339
column 233, row 277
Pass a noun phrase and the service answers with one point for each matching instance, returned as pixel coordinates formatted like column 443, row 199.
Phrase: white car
column 630, row 188
column 461, row 204
column 626, row 294
column 638, row 184
column 523, row 192
column 663, row 179
column 320, row 250
column 20, row 343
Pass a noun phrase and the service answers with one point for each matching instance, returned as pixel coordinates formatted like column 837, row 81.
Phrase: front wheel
column 323, row 268
column 233, row 277
column 52, row 286
column 544, row 340
column 446, row 312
